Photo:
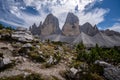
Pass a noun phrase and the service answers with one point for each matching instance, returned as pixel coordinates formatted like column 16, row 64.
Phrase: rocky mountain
column 50, row 26
column 88, row 29
column 71, row 26
column 35, row 30
column 74, row 33
column 110, row 32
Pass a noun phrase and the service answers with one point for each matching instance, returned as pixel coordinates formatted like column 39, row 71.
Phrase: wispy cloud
column 115, row 27
column 60, row 8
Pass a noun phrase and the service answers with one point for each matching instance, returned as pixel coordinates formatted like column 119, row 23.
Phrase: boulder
column 73, row 70
column 110, row 72
column 22, row 35
column 103, row 63
column 27, row 45
column 4, row 62
column 51, row 60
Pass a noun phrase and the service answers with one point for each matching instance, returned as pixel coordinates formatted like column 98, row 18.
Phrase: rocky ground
column 21, row 55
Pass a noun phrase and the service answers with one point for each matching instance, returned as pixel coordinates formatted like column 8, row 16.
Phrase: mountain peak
column 87, row 24
column 87, row 28
column 71, row 26
column 50, row 25
column 71, row 18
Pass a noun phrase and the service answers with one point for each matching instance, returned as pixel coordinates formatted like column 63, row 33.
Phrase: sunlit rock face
column 71, row 26
column 50, row 26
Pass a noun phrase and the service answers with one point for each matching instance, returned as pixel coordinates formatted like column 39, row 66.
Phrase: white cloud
column 60, row 8
column 95, row 16
column 9, row 22
column 118, row 20
column 115, row 27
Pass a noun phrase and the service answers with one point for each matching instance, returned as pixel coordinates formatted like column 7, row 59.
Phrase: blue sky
column 104, row 13
column 113, row 16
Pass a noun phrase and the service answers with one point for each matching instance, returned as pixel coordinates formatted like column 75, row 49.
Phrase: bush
column 95, row 68
column 1, row 26
column 81, row 53
column 37, row 57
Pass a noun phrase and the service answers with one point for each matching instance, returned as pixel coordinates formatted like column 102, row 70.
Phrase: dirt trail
column 35, row 67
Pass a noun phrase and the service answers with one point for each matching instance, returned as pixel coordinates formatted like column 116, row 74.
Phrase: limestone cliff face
column 71, row 26
column 50, row 26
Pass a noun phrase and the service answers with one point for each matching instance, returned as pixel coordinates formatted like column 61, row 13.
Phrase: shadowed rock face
column 50, row 26
column 71, row 26
column 35, row 30
column 88, row 29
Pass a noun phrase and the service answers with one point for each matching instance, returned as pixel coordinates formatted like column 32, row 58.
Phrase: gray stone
column 103, row 63
column 112, row 73
column 51, row 60
column 37, row 46
column 6, row 61
column 27, row 45
column 22, row 35
column 73, row 70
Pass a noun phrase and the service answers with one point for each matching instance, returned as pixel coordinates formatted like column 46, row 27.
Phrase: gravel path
column 27, row 67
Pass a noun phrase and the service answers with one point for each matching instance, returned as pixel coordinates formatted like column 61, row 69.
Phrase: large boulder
column 21, row 34
column 4, row 62
column 110, row 72
column 25, row 49
column 27, row 45
column 71, row 26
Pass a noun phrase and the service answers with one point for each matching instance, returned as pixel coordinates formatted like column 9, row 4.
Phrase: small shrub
column 37, row 57
column 95, row 68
